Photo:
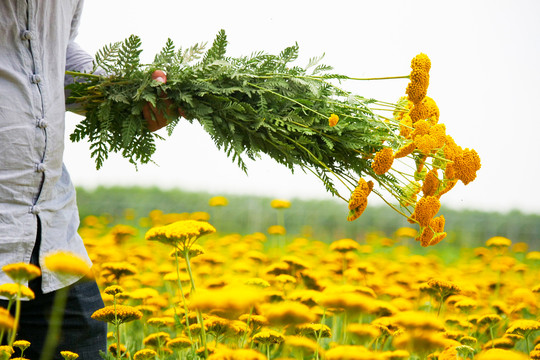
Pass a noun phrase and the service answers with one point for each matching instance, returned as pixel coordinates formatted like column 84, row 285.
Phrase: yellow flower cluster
column 383, row 161
column 117, row 314
column 358, row 201
column 21, row 272
column 68, row 264
column 280, row 204
column 333, row 120
column 218, row 201
column 184, row 232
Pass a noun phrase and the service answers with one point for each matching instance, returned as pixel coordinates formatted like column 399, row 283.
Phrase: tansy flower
column 179, row 343
column 157, row 339
column 113, row 290
column 267, row 337
column 68, row 355
column 344, row 245
column 426, row 208
column 276, row 230
column 181, row 232
column 236, row 354
column 21, row 272
column 280, row 204
column 313, row 331
column 287, row 313
column 145, row 354
column 434, row 233
column 523, row 327
column 333, row 120
column 21, row 344
column 364, row 332
column 488, row 320
column 431, row 183
column 498, row 242
column 123, row 351
column 301, row 344
column 466, row 165
column 10, row 291
column 6, row 320
column 358, row 201
column 161, row 321
column 68, row 264
column 349, row 352
column 118, row 269
column 231, row 300
column 193, row 251
column 124, row 314
column 218, row 201
column 405, row 150
column 417, row 88
column 406, row 232
column 443, row 287
column 500, row 354
column 383, row 161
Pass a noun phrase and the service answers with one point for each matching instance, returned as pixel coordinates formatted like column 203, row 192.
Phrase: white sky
column 484, row 78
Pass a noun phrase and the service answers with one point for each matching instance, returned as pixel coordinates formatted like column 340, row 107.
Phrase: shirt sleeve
column 77, row 59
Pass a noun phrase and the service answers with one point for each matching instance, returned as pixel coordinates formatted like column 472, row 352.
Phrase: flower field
column 175, row 287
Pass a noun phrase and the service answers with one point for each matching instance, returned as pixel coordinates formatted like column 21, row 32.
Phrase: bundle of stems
column 299, row 116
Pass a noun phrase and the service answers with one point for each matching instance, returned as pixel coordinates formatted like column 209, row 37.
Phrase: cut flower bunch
column 299, row 116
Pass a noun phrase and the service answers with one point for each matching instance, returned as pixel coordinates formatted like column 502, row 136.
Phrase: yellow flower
column 267, row 337
column 313, row 331
column 236, row 354
column 181, row 232
column 280, row 204
column 434, row 233
column 383, row 161
column 488, row 320
column 5, row 350
column 118, row 269
column 287, row 313
column 254, row 320
column 6, row 320
column 417, row 88
column 21, row 344
column 113, row 290
column 344, row 245
column 276, row 230
column 10, row 291
column 301, row 344
column 405, row 150
column 161, row 321
column 179, row 343
column 350, row 352
column 218, row 201
column 500, row 354
column 426, row 208
column 406, row 127
column 193, row 251
column 498, row 242
column 466, row 165
column 333, row 120
column 364, row 332
column 358, row 201
column 443, row 287
column 145, row 354
column 431, row 183
column 123, row 350
column 68, row 264
column 523, row 327
column 257, row 282
column 157, row 340
column 406, row 232
column 68, row 355
column 124, row 314
column 231, row 300
column 21, row 272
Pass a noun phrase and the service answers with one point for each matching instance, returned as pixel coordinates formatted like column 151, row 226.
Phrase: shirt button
column 27, row 35
column 35, row 210
column 40, row 167
column 41, row 123
column 36, row 79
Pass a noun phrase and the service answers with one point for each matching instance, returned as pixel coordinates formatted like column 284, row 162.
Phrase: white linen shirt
column 36, row 47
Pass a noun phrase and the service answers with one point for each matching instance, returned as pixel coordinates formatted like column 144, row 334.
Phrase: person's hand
column 156, row 119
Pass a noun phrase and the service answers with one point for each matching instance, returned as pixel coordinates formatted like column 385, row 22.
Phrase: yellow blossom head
column 68, row 355
column 218, row 201
column 333, row 120
column 124, row 313
column 68, row 264
column 21, row 272
column 10, row 291
column 383, row 161
column 280, row 204
column 180, row 232
column 7, row 322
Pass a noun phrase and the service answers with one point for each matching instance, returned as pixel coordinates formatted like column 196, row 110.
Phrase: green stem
column 3, row 330
column 80, row 74
column 17, row 315
column 319, row 335
column 186, row 311
column 55, row 323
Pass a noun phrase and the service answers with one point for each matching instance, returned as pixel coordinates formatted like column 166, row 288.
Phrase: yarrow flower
column 267, row 337
column 118, row 269
column 426, row 208
column 358, row 201
column 68, row 355
column 383, row 161
column 179, row 343
column 68, row 264
column 417, row 88
column 344, row 245
column 333, row 120
column 21, row 272
column 7, row 322
column 184, row 232
column 145, row 354
column 276, row 230
column 280, row 204
column 119, row 313
column 218, row 201
column 10, row 291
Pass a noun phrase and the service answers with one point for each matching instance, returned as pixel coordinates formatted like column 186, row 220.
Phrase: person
column 38, row 210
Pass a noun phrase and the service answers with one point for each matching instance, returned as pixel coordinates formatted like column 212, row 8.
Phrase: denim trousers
column 79, row 332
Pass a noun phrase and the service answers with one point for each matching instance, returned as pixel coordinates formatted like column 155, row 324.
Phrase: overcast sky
column 484, row 78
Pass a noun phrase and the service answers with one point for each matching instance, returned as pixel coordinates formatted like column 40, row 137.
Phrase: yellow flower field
column 177, row 288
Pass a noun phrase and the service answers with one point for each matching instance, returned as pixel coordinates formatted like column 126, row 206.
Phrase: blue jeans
column 80, row 333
